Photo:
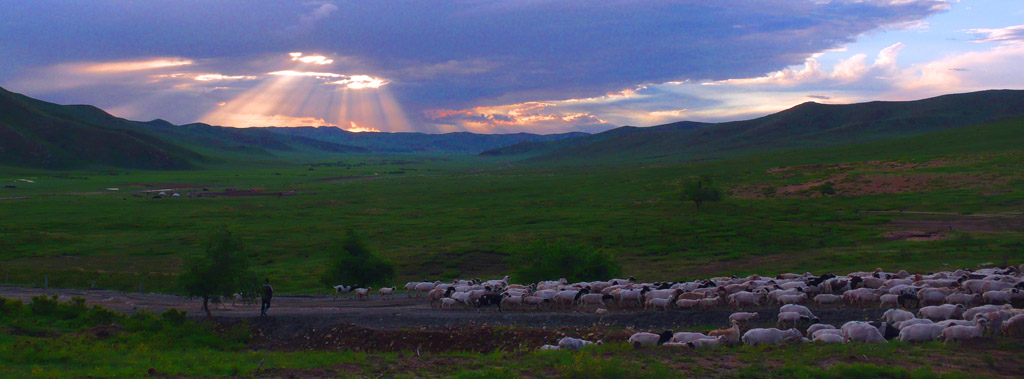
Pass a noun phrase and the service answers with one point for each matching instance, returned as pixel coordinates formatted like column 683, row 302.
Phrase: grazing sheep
column 894, row 316
column 742, row 317
column 967, row 299
column 791, row 320
column 731, row 335
column 659, row 303
column 796, row 308
column 859, row 331
column 684, row 337
column 548, row 347
column 963, row 332
column 889, row 301
column 830, row 338
column 742, row 299
column 703, row 343
column 448, row 303
column 827, row 299
column 970, row 314
column 819, row 332
column 770, row 336
column 573, row 344
column 650, row 339
column 921, row 333
column 536, row 301
column 816, row 327
column 363, row 293
column 710, row 302
column 424, row 287
column 932, row 296
column 999, row 297
column 942, row 312
column 341, row 289
column 601, row 311
column 1014, row 327
column 913, row 321
column 387, row 292
column 792, row 299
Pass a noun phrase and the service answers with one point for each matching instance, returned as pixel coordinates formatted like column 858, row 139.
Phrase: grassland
column 52, row 339
column 458, row 216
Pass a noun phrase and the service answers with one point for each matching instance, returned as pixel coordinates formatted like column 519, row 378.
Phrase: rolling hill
column 806, row 125
column 35, row 133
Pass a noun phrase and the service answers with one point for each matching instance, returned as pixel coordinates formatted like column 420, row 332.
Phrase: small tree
column 553, row 260
column 701, row 190
column 222, row 270
column 352, row 263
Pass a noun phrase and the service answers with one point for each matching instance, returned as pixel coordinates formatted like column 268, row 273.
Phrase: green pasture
column 442, row 217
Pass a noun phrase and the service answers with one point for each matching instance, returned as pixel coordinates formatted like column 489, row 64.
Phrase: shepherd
column 268, row 292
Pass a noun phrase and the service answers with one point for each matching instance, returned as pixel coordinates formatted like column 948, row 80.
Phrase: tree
column 701, row 190
column 352, row 263
column 553, row 260
column 223, row 270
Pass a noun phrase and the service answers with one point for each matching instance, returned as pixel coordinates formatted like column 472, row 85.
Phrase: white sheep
column 386, row 292
column 894, row 316
column 448, row 303
column 687, row 303
column 921, row 333
column 771, row 336
column 363, row 293
column 889, row 301
column 684, row 337
column 970, row 314
column 827, row 299
column 601, row 311
column 999, row 297
column 549, row 347
column 967, row 299
column 820, row 332
column 859, row 331
column 798, row 309
column 913, row 321
column 816, row 327
column 942, row 312
column 702, row 343
column 742, row 317
column 791, row 319
column 964, row 332
column 650, row 339
column 573, row 344
column 1014, row 327
column 829, row 338
column 792, row 299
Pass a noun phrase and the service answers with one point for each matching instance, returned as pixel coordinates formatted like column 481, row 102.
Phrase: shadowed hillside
column 806, row 125
column 462, row 142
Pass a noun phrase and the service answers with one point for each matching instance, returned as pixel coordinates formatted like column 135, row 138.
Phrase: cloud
column 214, row 77
column 1011, row 34
column 128, row 66
column 360, row 82
column 314, row 59
column 355, row 128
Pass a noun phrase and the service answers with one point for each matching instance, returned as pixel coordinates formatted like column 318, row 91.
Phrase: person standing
column 267, row 293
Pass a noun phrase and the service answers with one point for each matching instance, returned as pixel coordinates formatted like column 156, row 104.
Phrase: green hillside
column 806, row 125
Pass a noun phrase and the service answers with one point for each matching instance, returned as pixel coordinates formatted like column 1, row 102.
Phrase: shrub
column 174, row 317
column 352, row 263
column 10, row 307
column 143, row 321
column 553, row 260
column 101, row 316
column 701, row 191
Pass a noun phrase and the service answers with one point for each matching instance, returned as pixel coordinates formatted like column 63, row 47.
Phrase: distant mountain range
column 806, row 125
column 35, row 133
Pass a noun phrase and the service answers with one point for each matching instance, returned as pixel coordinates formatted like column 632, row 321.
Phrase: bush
column 825, row 189
column 10, row 307
column 701, row 191
column 143, row 321
column 352, row 263
column 101, row 316
column 174, row 317
column 553, row 260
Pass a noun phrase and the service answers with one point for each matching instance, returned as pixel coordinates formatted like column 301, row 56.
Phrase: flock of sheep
column 951, row 305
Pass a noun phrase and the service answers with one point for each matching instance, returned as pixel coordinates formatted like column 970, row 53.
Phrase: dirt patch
column 846, row 185
column 914, row 235
column 255, row 192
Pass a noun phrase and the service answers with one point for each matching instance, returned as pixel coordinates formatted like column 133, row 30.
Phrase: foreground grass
column 51, row 339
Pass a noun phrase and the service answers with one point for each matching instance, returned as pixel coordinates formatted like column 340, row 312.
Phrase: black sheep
column 488, row 300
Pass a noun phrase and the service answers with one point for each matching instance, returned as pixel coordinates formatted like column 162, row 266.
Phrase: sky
column 483, row 66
